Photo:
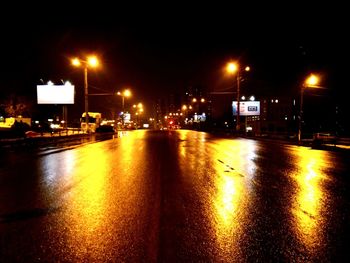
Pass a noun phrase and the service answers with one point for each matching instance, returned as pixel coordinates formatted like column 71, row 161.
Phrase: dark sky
column 158, row 49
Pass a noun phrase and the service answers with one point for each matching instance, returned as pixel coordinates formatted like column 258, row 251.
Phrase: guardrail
column 54, row 132
column 66, row 132
column 343, row 141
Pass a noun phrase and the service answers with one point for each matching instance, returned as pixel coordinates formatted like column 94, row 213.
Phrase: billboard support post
column 65, row 114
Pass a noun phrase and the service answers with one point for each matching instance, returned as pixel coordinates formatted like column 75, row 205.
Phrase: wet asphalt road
column 177, row 196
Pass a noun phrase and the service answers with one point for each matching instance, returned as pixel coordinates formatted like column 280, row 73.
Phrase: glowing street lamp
column 90, row 62
column 311, row 82
column 138, row 113
column 232, row 68
column 138, row 107
column 123, row 94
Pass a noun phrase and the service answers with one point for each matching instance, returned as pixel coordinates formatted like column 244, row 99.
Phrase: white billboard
column 199, row 118
column 246, row 108
column 55, row 94
column 127, row 117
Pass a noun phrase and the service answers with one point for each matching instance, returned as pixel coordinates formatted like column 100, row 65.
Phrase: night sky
column 158, row 49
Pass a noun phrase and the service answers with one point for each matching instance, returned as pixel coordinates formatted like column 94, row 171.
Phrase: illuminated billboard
column 199, row 118
column 246, row 108
column 55, row 94
column 127, row 117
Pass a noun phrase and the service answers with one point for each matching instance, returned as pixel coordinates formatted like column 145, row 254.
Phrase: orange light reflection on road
column 192, row 150
column 105, row 197
column 183, row 137
column 86, row 210
column 91, row 199
column 235, row 171
column 226, row 201
column 310, row 197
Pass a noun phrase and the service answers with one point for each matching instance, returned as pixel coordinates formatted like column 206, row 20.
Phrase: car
column 32, row 134
column 105, row 128
column 324, row 138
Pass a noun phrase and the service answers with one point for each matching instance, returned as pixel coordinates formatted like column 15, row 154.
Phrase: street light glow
column 93, row 61
column 312, row 80
column 231, row 67
column 76, row 62
column 127, row 93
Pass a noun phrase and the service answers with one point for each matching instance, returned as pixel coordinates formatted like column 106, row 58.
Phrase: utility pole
column 238, row 103
column 86, row 98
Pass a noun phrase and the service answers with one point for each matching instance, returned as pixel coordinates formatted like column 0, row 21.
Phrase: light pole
column 311, row 82
column 91, row 61
column 231, row 68
column 125, row 93
column 138, row 113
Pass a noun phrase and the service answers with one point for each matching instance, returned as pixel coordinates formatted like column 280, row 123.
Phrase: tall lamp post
column 123, row 94
column 311, row 82
column 139, row 110
column 92, row 62
column 231, row 68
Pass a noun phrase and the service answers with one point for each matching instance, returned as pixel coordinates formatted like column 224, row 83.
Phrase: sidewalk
column 342, row 143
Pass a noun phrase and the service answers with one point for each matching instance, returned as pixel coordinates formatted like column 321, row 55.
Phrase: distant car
column 324, row 138
column 105, row 128
column 32, row 134
column 173, row 127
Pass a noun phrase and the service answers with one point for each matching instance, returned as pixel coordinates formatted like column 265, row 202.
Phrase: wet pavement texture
column 174, row 196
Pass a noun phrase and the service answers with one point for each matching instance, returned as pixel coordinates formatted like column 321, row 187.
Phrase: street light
column 232, row 68
column 138, row 113
column 311, row 82
column 92, row 62
column 125, row 93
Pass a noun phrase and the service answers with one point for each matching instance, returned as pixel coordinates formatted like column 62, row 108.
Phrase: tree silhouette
column 17, row 105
